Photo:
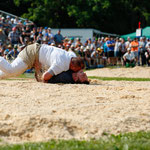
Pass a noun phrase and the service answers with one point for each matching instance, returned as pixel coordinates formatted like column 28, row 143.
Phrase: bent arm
column 46, row 76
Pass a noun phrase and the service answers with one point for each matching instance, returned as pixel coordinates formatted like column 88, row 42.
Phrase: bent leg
column 15, row 68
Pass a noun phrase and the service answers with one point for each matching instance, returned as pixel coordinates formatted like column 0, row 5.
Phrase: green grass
column 119, row 78
column 31, row 76
column 26, row 75
column 129, row 141
column 23, row 76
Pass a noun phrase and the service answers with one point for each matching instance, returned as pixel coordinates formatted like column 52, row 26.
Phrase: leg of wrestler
column 15, row 68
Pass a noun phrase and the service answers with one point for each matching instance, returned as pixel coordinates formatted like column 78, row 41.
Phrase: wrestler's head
column 80, row 77
column 76, row 64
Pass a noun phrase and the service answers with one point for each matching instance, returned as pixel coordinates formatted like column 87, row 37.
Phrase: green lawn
column 31, row 76
column 129, row 141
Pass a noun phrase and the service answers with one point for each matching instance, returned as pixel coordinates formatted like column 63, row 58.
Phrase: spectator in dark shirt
column 58, row 38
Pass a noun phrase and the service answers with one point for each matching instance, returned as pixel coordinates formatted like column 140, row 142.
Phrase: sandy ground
column 31, row 111
column 136, row 72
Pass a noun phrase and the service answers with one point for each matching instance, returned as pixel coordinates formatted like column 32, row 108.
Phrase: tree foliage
column 115, row 16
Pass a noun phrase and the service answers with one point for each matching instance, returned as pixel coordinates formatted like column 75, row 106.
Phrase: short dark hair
column 78, row 62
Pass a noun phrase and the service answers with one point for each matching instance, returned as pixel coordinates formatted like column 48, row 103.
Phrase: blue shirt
column 111, row 48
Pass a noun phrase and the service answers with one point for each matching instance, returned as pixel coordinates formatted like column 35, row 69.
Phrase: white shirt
column 117, row 46
column 56, row 59
column 129, row 56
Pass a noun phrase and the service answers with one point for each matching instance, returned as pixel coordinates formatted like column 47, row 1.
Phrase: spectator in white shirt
column 129, row 58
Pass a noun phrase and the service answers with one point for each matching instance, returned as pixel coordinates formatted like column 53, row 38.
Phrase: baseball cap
column 87, row 47
column 45, row 28
column 82, row 47
column 128, row 49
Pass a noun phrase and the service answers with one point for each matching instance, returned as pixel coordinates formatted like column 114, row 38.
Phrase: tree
column 114, row 16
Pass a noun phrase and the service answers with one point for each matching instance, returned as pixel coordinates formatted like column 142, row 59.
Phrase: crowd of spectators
column 97, row 52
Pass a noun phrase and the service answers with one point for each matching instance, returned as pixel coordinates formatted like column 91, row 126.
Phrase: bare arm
column 46, row 76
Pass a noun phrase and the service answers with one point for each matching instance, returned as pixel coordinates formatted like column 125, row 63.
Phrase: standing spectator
column 110, row 50
column 51, row 35
column 127, row 43
column 147, row 43
column 134, row 48
column 123, row 49
column 147, row 54
column 14, row 37
column 141, row 52
column 58, row 38
column 105, row 47
column 117, row 48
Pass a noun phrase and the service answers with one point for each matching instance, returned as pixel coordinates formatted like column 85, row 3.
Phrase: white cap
column 82, row 47
column 87, row 47
column 128, row 49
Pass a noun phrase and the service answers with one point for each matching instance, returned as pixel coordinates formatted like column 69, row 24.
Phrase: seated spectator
column 3, row 37
column 34, row 35
column 94, row 59
column 78, row 42
column 13, row 53
column 72, row 50
column 14, row 36
column 40, row 38
column 27, row 23
column 46, row 38
column 87, row 57
column 71, row 42
column 2, row 48
column 129, row 58
column 80, row 52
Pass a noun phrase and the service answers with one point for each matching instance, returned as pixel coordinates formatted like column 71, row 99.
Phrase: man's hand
column 46, row 76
